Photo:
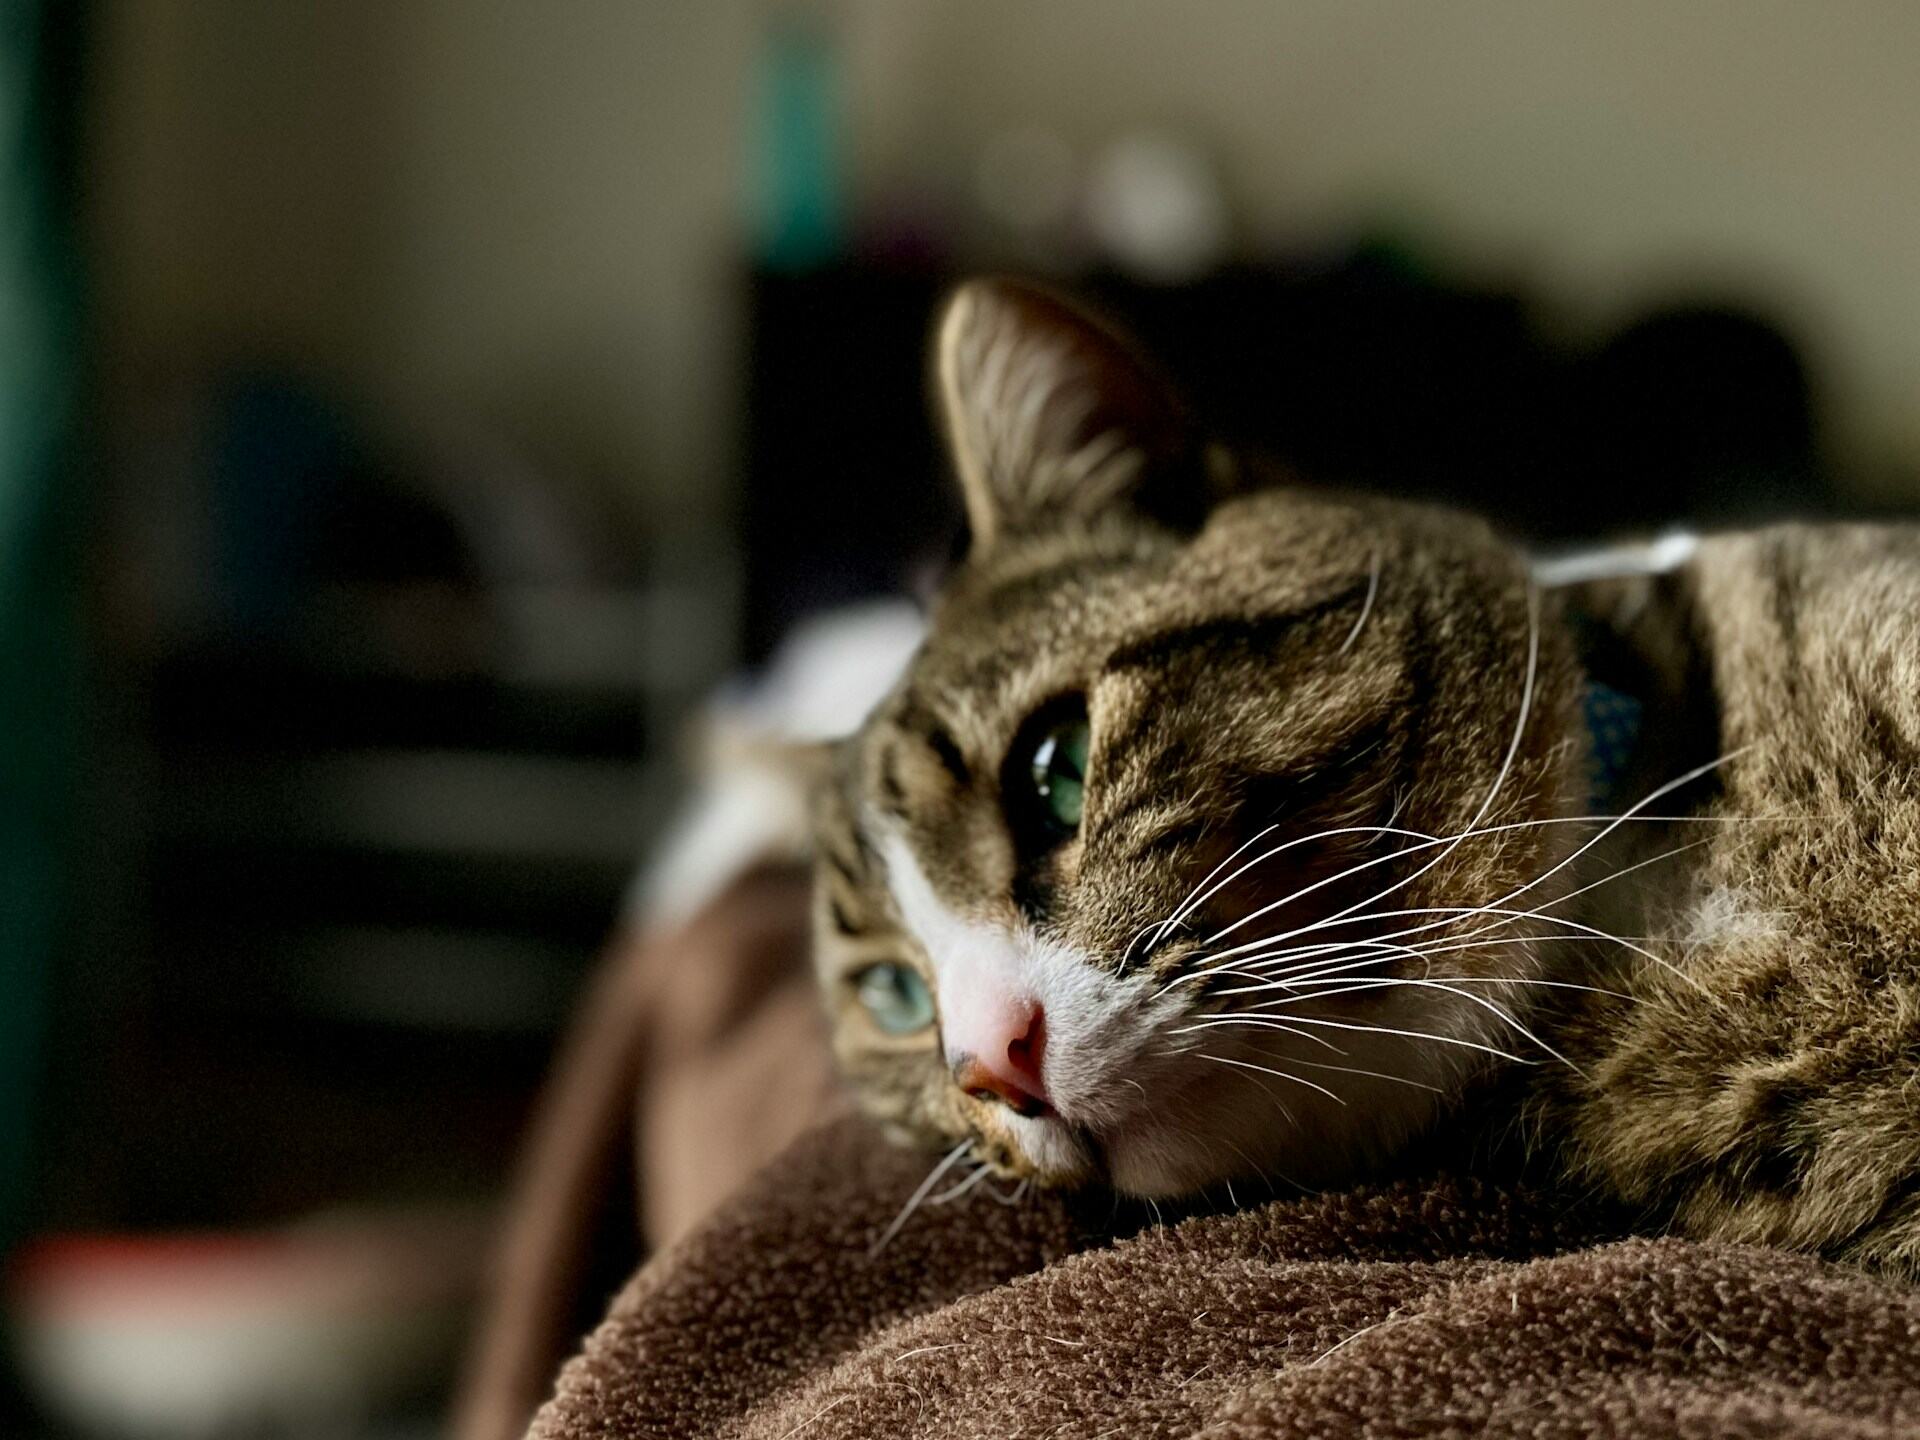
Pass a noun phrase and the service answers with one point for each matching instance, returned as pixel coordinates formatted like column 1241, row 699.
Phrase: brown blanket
column 1445, row 1307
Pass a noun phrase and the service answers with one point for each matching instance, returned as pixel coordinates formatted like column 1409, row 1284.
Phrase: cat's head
column 1146, row 870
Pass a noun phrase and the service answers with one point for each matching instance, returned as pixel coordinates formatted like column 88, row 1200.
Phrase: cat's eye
column 895, row 996
column 1058, row 769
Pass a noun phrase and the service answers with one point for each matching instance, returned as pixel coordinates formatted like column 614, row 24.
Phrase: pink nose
column 1001, row 1058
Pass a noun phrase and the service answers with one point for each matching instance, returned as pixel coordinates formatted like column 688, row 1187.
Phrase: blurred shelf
column 418, row 978
column 442, row 802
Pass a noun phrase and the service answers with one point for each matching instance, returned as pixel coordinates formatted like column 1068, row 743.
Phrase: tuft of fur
column 1373, row 711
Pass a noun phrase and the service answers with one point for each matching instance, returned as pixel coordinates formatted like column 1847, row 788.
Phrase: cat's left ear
column 1055, row 418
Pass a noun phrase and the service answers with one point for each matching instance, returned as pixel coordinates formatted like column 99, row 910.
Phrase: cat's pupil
column 895, row 996
column 1059, row 770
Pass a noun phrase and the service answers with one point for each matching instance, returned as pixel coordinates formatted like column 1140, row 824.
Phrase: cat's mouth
column 1047, row 1150
column 1054, row 1154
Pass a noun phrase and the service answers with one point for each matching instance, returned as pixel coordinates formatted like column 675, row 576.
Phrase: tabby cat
column 1227, row 831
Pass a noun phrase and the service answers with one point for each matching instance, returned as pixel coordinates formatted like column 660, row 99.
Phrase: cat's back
column 1766, row 1083
column 1809, row 636
column 1813, row 637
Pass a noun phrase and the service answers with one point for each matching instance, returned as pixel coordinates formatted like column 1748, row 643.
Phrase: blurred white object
column 750, row 800
column 313, row 1329
column 1155, row 207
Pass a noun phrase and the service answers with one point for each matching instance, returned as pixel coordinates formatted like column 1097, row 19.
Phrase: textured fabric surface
column 1434, row 1308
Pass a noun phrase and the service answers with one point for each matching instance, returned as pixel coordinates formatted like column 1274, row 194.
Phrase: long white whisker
column 1280, row 1074
column 1336, row 962
column 1325, row 974
column 1428, row 844
column 1500, row 779
column 1216, row 1021
column 955, row 1191
column 1366, row 607
column 1018, row 1194
column 1303, row 990
column 1341, row 961
column 1371, row 1074
column 1179, row 912
column 1238, row 952
column 1541, row 910
column 1628, row 814
column 1426, row 983
column 1309, row 1035
column 1431, row 842
column 1198, row 899
column 1265, row 1088
column 1451, row 911
column 951, row 1158
column 1666, row 789
column 1490, row 1006
column 1526, row 701
column 1526, row 706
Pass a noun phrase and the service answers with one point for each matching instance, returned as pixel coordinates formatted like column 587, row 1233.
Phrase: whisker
column 1267, row 1089
column 1459, row 910
column 1280, row 1074
column 1018, row 1193
column 1541, row 910
column 1506, row 765
column 1300, row 974
column 1485, row 805
column 1666, row 789
column 1197, row 899
column 1267, row 1022
column 1366, row 607
column 1495, row 1009
column 947, row 1162
column 1307, row 1035
column 1216, row 1021
column 1374, row 982
column 1179, row 911
column 1429, row 842
column 1611, row 821
column 955, row 1191
column 1526, row 706
column 1370, row 1074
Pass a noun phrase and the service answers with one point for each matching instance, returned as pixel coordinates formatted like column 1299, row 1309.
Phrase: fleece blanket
column 1434, row 1307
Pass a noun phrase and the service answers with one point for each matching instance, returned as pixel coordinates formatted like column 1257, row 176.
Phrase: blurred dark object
column 381, row 749
column 842, row 492
column 40, row 515
column 375, row 739
column 1361, row 371
column 698, row 1056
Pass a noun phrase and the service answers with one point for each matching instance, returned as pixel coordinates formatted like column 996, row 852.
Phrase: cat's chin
column 1152, row 1163
column 1170, row 1162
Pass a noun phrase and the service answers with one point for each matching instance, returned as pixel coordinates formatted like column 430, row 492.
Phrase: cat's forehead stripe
column 1256, row 632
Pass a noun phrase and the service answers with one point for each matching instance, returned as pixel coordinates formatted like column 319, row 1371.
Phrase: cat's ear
column 1053, row 417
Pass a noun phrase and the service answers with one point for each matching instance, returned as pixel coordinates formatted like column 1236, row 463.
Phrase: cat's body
column 1768, row 1087
column 1222, row 832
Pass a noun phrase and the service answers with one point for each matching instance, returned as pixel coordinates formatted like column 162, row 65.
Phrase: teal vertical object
column 798, row 181
column 39, row 597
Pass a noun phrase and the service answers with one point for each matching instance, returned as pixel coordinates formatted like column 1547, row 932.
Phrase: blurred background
column 409, row 410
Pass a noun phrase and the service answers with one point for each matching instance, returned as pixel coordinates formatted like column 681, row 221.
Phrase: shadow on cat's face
column 1169, row 861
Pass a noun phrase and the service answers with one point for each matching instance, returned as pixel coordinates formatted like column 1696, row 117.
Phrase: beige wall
column 530, row 210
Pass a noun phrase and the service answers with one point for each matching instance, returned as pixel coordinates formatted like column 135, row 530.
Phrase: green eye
column 896, row 997
column 1059, row 770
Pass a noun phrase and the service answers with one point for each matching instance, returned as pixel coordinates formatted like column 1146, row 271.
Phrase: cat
column 1224, row 829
